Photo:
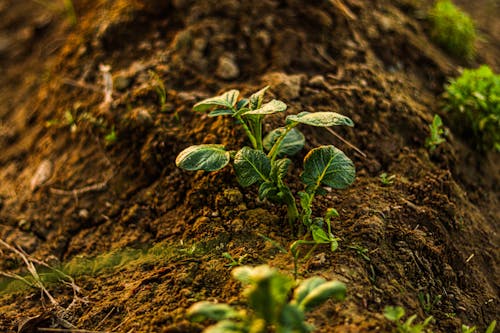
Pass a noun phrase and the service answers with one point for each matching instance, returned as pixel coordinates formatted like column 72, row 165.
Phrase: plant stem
column 248, row 132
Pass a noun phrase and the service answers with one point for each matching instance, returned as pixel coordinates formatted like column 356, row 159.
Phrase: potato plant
column 270, row 307
column 265, row 162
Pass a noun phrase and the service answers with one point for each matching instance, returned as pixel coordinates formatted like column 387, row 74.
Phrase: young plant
column 159, row 87
column 265, row 163
column 396, row 314
column 489, row 329
column 319, row 236
column 387, row 180
column 436, row 133
column 232, row 261
column 270, row 307
column 427, row 302
column 474, row 99
column 453, row 29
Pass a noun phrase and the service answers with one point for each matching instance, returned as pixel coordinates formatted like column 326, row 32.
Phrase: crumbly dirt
column 69, row 191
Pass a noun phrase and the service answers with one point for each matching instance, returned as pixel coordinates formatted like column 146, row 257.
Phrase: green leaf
column 279, row 170
column 220, row 112
column 321, row 119
column 268, row 108
column 268, row 190
column 228, row 99
column 491, row 327
column 206, row 310
column 319, row 235
column 333, row 289
column 394, row 313
column 305, row 287
column 242, row 103
column 251, row 166
column 293, row 142
column 329, row 166
column 257, row 98
column 203, row 157
column 293, row 320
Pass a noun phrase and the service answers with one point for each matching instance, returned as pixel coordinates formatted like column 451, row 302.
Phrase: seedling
column 474, row 99
column 387, row 180
column 490, row 329
column 233, row 262
column 270, row 307
column 319, row 236
column 265, row 163
column 427, row 303
column 111, row 137
column 453, row 29
column 396, row 314
column 159, row 87
column 436, row 132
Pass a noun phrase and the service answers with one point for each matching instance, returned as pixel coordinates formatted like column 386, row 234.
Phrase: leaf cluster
column 436, row 133
column 453, row 29
column 270, row 307
column 474, row 98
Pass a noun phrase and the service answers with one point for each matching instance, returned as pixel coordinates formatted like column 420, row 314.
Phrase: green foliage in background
column 270, row 307
column 396, row 314
column 473, row 100
column 452, row 29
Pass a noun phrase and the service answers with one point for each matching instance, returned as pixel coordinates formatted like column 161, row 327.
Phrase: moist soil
column 91, row 180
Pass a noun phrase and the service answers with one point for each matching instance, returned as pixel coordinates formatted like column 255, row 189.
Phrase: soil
column 83, row 177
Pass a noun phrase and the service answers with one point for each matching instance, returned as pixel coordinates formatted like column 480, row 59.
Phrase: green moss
column 113, row 261
column 473, row 100
column 453, row 29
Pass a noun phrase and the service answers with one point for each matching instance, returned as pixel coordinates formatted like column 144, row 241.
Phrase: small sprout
column 233, row 262
column 396, row 314
column 435, row 134
column 489, row 329
column 269, row 306
column 111, row 137
column 159, row 87
column 453, row 29
column 387, row 180
column 427, row 303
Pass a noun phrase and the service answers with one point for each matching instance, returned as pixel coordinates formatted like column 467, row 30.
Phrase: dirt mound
column 106, row 180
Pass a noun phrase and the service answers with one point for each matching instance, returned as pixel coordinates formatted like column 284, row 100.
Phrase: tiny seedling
column 265, row 163
column 111, row 137
column 396, row 314
column 387, row 180
column 489, row 329
column 159, row 87
column 233, row 262
column 427, row 302
column 474, row 99
column 436, row 132
column 453, row 29
column 272, row 306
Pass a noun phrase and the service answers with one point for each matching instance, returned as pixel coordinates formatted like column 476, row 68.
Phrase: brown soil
column 434, row 231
